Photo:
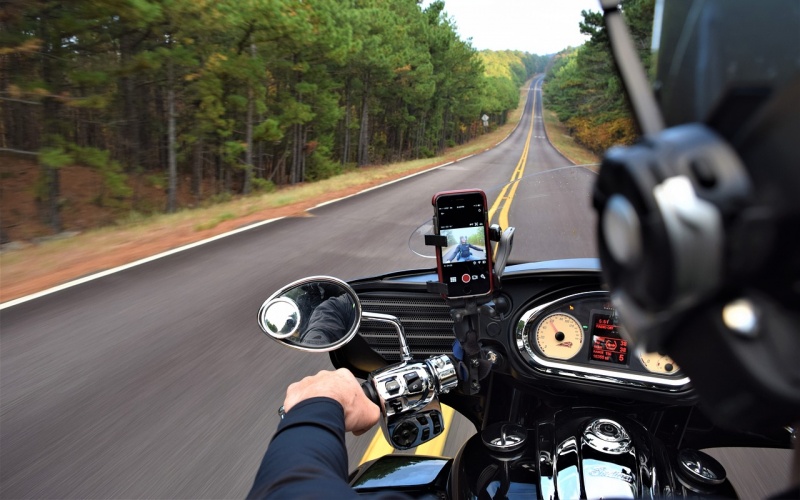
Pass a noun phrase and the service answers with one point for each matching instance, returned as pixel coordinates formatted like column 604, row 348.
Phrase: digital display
column 607, row 346
column 465, row 263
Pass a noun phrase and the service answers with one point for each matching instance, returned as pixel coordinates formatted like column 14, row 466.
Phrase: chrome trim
column 585, row 372
column 329, row 279
column 607, row 436
column 701, row 468
column 405, row 352
column 444, row 373
column 402, row 407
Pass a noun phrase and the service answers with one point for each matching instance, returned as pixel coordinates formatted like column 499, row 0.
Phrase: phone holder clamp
column 466, row 313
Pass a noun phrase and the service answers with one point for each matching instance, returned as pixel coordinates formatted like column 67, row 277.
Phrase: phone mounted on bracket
column 463, row 254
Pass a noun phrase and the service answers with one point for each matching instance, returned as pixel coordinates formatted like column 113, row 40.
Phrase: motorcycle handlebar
column 370, row 392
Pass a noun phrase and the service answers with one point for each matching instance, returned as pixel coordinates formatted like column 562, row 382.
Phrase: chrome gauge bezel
column 527, row 326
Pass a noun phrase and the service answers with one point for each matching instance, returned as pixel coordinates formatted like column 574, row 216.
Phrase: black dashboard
column 579, row 335
column 558, row 329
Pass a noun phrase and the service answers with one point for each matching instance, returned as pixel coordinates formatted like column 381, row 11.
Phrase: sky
column 535, row 26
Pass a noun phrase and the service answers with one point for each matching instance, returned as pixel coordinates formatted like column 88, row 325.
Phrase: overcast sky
column 535, row 26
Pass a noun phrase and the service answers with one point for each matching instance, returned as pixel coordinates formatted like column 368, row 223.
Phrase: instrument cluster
column 581, row 336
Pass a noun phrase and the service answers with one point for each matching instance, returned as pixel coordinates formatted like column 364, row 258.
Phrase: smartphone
column 465, row 263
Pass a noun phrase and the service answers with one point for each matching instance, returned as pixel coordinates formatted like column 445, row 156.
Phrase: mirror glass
column 281, row 317
column 319, row 313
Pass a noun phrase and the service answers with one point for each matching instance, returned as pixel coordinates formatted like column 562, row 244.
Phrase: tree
column 239, row 94
column 583, row 86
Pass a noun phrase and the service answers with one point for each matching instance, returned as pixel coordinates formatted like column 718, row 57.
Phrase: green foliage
column 505, row 72
column 158, row 181
column 583, row 87
column 55, row 157
column 268, row 131
column 114, row 179
column 321, row 166
column 282, row 89
column 263, row 185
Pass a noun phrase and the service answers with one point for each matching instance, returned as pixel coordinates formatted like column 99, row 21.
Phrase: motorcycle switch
column 408, row 395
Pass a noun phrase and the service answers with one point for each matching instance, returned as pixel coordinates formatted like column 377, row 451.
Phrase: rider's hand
column 360, row 414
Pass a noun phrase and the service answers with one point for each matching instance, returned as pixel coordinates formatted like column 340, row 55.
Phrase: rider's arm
column 307, row 455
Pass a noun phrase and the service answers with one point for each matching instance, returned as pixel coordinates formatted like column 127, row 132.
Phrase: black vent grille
column 425, row 318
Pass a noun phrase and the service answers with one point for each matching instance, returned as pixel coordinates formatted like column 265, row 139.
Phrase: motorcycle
column 564, row 405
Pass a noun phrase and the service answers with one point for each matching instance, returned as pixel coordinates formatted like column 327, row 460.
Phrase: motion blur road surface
column 155, row 382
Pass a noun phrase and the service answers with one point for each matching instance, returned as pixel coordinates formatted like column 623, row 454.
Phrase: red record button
column 465, row 278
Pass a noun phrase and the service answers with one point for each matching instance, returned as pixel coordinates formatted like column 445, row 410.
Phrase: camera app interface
column 465, row 267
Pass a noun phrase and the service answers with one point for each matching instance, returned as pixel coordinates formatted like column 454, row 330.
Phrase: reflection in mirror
column 281, row 317
column 326, row 314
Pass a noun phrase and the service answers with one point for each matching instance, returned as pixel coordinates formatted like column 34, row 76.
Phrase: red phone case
column 439, row 263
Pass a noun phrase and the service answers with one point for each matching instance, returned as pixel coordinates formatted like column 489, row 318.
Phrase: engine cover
column 581, row 453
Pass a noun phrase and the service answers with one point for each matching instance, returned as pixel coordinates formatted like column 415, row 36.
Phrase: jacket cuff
column 323, row 412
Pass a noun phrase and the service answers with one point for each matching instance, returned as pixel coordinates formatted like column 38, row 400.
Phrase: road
column 156, row 382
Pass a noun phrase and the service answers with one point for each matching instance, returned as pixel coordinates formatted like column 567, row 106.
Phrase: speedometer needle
column 555, row 328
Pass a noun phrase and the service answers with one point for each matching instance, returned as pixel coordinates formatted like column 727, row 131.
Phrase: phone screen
column 465, row 262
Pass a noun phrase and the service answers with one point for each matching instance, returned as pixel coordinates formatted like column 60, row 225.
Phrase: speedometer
column 559, row 336
column 658, row 363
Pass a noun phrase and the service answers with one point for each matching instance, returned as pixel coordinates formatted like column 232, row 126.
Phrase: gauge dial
column 559, row 336
column 658, row 363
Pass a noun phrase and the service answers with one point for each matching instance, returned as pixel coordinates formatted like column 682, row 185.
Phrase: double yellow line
column 506, row 196
column 379, row 447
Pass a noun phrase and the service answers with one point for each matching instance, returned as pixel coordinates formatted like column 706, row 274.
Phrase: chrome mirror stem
column 405, row 352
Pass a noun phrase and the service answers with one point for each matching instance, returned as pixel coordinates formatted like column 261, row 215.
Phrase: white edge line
column 324, row 203
column 139, row 262
column 70, row 284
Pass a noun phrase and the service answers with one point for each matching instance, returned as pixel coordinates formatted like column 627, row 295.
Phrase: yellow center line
column 506, row 197
column 379, row 447
column 518, row 172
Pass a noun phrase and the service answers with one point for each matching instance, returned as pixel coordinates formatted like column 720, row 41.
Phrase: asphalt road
column 155, row 382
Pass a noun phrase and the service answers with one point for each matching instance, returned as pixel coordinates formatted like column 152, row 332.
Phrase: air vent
column 425, row 318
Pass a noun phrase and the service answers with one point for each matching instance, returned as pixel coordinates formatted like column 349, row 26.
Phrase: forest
column 237, row 96
column 583, row 87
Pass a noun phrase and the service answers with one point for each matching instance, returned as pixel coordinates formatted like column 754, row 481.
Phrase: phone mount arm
column 466, row 313
column 505, row 242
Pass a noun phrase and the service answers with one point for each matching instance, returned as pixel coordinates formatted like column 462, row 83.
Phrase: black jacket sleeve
column 307, row 457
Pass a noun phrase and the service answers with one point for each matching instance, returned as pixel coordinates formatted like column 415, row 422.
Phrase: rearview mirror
column 320, row 313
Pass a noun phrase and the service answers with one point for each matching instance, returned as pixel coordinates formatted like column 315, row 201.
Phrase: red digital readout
column 608, row 348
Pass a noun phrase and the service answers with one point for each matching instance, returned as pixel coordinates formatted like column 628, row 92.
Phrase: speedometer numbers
column 658, row 363
column 581, row 337
column 559, row 336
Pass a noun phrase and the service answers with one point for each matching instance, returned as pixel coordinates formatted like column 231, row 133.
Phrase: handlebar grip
column 370, row 392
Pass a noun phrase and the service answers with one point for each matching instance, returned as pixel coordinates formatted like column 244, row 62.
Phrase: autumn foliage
column 584, row 89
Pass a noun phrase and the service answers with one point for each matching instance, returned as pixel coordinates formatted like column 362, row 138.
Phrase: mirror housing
column 319, row 313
